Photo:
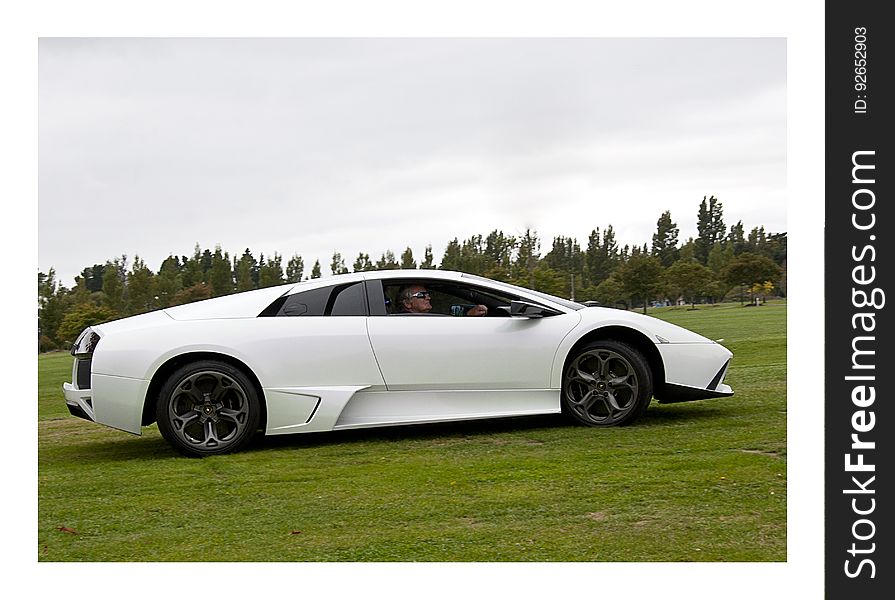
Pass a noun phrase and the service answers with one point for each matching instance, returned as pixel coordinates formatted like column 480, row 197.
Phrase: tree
column 270, row 273
column 53, row 303
column 88, row 284
column 716, row 289
column 428, row 260
column 548, row 280
column 758, row 291
column 192, row 273
column 169, row 281
column 499, row 255
column 736, row 238
column 114, row 277
column 244, row 269
column 206, row 261
column 294, row 269
column 527, row 256
column 776, row 247
column 566, row 259
column 710, row 227
column 92, row 278
column 665, row 240
column 592, row 275
column 220, row 273
column 610, row 248
column 140, row 288
column 688, row 250
column 610, row 292
column 747, row 269
column 315, row 270
column 641, row 278
column 194, row 293
column 450, row 261
column 407, row 261
column 362, row 263
column 472, row 256
column 756, row 241
column 719, row 257
column 46, row 287
column 256, row 271
column 80, row 317
column 337, row 266
column 781, row 284
column 772, row 245
column 601, row 257
column 387, row 261
column 688, row 279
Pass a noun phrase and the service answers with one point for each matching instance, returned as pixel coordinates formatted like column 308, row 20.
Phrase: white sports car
column 380, row 348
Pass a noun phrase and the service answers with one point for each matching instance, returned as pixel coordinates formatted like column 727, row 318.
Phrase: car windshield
column 561, row 301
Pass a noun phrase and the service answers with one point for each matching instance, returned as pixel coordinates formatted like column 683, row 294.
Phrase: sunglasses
column 421, row 295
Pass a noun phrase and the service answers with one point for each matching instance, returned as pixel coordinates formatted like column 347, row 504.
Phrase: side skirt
column 378, row 408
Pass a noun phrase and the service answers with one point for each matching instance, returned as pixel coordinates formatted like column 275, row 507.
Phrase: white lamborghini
column 380, row 348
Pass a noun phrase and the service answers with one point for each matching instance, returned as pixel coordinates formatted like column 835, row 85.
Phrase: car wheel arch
column 634, row 338
column 175, row 362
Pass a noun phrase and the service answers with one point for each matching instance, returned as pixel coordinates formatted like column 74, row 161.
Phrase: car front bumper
column 694, row 372
column 681, row 393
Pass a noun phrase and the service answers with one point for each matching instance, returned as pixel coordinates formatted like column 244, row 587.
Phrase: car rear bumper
column 79, row 402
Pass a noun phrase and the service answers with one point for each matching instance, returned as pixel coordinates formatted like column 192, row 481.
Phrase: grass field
column 700, row 481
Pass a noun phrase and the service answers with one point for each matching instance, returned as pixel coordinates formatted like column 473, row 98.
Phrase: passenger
column 415, row 298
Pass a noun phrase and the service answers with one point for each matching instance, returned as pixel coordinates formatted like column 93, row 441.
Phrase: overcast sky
column 309, row 146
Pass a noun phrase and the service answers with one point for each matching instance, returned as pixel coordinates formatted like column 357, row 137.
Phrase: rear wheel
column 208, row 407
column 606, row 383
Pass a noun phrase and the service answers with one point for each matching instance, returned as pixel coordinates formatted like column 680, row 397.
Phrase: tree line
column 720, row 262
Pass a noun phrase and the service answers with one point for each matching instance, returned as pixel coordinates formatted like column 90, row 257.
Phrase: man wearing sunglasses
column 415, row 298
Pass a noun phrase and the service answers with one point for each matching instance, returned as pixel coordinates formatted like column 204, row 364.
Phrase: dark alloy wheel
column 606, row 383
column 208, row 407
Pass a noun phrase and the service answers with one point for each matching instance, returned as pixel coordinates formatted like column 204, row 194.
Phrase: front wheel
column 606, row 383
column 208, row 407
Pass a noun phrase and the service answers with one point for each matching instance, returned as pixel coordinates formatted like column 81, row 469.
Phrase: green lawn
column 700, row 481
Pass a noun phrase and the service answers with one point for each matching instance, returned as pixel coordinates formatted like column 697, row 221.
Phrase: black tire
column 208, row 407
column 605, row 384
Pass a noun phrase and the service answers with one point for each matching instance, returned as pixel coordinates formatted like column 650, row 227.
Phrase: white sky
column 310, row 146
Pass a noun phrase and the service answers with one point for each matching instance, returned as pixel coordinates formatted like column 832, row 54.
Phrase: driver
column 415, row 298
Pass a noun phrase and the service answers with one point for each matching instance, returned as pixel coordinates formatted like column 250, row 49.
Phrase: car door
column 440, row 352
column 315, row 337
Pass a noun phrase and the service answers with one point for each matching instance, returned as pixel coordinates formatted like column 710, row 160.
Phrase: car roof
column 378, row 275
column 413, row 274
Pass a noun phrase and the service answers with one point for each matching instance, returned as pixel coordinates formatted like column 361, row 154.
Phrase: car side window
column 311, row 303
column 449, row 298
column 335, row 300
column 349, row 301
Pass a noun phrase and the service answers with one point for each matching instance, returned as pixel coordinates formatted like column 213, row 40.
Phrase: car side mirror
column 520, row 308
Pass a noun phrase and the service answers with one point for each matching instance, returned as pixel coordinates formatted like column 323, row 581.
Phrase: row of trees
column 718, row 262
